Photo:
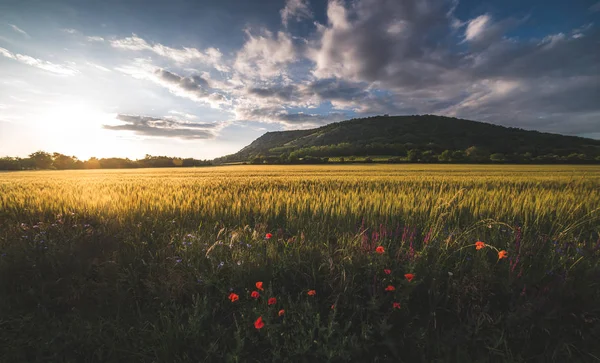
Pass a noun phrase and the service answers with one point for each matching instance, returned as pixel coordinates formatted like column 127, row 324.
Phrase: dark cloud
column 298, row 119
column 160, row 127
column 194, row 84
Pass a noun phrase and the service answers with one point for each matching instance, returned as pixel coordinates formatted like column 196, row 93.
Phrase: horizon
column 203, row 80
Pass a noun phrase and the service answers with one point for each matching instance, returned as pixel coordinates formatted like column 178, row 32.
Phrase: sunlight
column 76, row 129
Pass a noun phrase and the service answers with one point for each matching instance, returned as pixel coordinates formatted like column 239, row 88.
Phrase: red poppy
column 258, row 324
column 409, row 277
column 387, row 271
column 502, row 254
column 479, row 245
column 396, row 305
column 380, row 250
column 268, row 236
column 255, row 294
column 259, row 285
column 311, row 292
column 332, row 306
column 281, row 312
column 234, row 297
column 272, row 301
column 390, row 288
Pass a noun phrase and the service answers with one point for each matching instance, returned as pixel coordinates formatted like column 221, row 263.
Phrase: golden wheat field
column 532, row 195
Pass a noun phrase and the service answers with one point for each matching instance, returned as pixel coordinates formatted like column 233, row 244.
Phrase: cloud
column 94, row 39
column 596, row 7
column 293, row 120
column 265, row 56
column 20, row 31
column 295, row 9
column 476, row 27
column 195, row 87
column 38, row 63
column 210, row 56
column 69, row 31
column 97, row 66
column 163, row 127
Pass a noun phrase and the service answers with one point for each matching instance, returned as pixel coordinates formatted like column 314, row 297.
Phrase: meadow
column 366, row 263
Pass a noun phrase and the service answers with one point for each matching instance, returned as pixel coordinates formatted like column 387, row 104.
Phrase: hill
column 425, row 138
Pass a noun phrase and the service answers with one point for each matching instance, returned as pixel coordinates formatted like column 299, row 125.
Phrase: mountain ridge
column 417, row 138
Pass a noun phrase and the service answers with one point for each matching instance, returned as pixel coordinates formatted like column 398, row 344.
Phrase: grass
column 138, row 265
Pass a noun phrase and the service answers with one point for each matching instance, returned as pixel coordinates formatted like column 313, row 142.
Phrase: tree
column 445, row 156
column 498, row 158
column 477, row 154
column 414, row 155
column 41, row 159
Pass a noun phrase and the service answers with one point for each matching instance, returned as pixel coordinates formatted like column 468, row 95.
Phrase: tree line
column 399, row 153
column 41, row 160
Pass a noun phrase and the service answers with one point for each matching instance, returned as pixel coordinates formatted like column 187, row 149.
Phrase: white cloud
column 265, row 56
column 196, row 88
column 97, row 66
column 20, row 31
column 94, row 39
column 210, row 56
column 295, row 9
column 476, row 27
column 69, row 31
column 38, row 63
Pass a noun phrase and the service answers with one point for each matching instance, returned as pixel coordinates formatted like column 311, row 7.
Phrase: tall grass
column 137, row 265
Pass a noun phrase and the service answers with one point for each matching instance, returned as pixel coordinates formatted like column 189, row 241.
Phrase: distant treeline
column 399, row 153
column 41, row 160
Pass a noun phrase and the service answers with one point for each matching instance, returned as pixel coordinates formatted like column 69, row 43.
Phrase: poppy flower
column 332, row 306
column 259, row 285
column 409, row 277
column 311, row 292
column 390, row 288
column 268, row 236
column 502, row 254
column 258, row 324
column 479, row 245
column 387, row 271
column 272, row 301
column 380, row 250
column 255, row 294
column 234, row 297
column 281, row 312
column 396, row 305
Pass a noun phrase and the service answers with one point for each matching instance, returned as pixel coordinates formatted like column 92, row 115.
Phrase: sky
column 202, row 79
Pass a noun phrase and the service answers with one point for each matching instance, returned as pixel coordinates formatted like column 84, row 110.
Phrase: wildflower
column 178, row 260
column 380, row 250
column 409, row 277
column 259, row 285
column 387, row 271
column 221, row 264
column 450, row 274
column 396, row 305
column 281, row 312
column 255, row 294
column 479, row 245
column 311, row 292
column 332, row 306
column 234, row 297
column 258, row 324
column 272, row 301
column 268, row 236
column 390, row 288
column 502, row 254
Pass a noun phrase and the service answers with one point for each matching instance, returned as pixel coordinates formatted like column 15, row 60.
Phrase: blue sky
column 204, row 78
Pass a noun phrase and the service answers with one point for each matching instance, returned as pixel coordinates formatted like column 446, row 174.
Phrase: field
column 145, row 265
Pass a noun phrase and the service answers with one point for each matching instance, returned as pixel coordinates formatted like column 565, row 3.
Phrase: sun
column 76, row 129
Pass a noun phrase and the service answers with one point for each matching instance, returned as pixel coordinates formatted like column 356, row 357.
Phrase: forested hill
column 425, row 138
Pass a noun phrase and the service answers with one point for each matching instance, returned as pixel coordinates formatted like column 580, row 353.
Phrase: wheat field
column 138, row 265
